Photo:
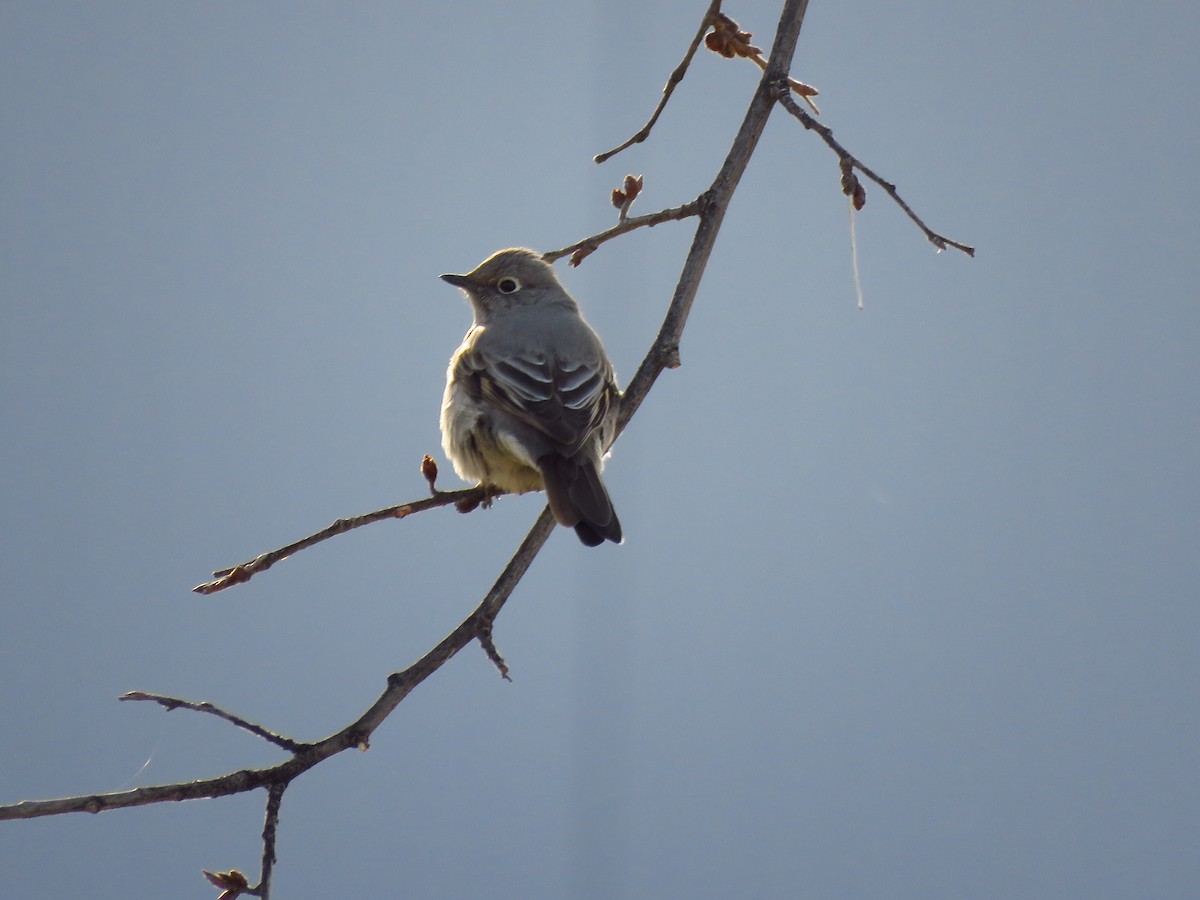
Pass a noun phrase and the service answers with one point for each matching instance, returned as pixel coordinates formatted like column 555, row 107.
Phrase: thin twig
column 588, row 245
column 488, row 643
column 669, row 88
column 223, row 578
column 849, row 161
column 205, row 707
column 270, row 827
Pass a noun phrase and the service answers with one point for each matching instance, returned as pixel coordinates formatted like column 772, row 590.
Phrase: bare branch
column 465, row 499
column 223, row 786
column 669, row 88
column 489, row 647
column 205, row 707
column 849, row 162
column 270, row 827
column 582, row 249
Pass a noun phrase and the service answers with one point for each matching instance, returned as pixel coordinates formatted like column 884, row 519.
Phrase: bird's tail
column 578, row 498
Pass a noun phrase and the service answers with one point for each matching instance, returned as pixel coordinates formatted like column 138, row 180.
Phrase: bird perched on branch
column 531, row 399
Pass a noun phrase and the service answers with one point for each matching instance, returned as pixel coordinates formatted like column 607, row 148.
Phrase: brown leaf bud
column 729, row 40
column 429, row 470
column 232, row 883
column 848, row 177
column 851, row 186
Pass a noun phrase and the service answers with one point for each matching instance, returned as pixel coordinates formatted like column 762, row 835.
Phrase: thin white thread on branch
column 858, row 292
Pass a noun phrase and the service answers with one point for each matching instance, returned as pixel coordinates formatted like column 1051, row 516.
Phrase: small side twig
column 204, row 706
column 488, row 643
column 270, row 827
column 848, row 162
column 582, row 249
column 234, row 883
column 677, row 76
column 465, row 499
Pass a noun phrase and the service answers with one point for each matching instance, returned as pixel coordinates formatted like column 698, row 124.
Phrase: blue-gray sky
column 907, row 605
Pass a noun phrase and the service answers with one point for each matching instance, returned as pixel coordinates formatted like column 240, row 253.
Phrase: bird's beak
column 460, row 281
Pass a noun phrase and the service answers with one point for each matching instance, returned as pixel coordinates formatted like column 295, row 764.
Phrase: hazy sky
column 907, row 605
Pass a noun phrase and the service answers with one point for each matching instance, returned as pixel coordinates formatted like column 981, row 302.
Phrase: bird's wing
column 566, row 400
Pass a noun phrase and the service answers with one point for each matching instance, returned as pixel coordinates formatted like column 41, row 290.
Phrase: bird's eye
column 508, row 285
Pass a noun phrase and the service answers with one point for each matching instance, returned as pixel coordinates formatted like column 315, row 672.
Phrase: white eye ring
column 508, row 285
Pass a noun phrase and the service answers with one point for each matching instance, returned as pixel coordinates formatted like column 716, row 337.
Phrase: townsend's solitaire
column 531, row 399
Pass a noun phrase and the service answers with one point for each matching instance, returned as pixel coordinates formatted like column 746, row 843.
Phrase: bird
column 531, row 398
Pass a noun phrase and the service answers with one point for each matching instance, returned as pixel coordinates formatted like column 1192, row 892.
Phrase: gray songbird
column 531, row 399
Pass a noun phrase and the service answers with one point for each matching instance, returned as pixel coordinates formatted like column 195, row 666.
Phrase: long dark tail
column 578, row 498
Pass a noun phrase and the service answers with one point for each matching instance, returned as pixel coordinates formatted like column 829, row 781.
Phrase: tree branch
column 467, row 498
column 669, row 88
column 204, row 706
column 270, row 828
column 849, row 162
column 580, row 249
